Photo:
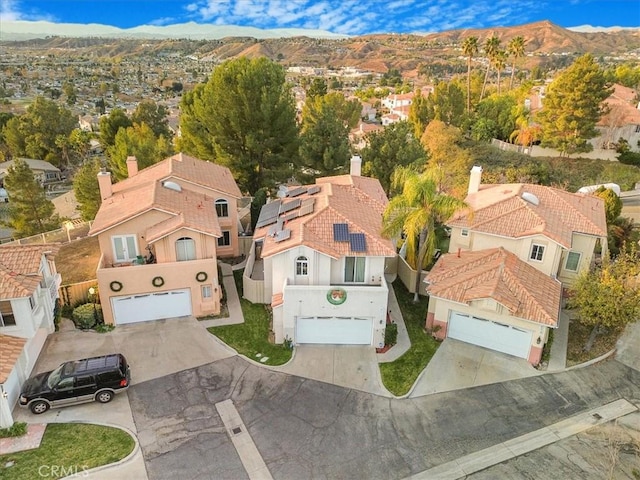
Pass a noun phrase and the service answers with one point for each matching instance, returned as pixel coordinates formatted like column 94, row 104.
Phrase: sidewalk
column 403, row 343
column 558, row 354
column 233, row 300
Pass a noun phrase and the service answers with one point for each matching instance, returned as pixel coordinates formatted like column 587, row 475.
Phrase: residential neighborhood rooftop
column 20, row 266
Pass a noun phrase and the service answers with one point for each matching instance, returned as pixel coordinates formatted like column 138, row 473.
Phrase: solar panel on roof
column 313, row 190
column 265, row 222
column 283, row 235
column 340, row 232
column 268, row 214
column 358, row 242
column 291, row 216
column 296, row 191
column 306, row 209
column 285, row 207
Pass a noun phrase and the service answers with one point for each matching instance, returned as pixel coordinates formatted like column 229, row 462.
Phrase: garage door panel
column 334, row 330
column 151, row 306
column 493, row 335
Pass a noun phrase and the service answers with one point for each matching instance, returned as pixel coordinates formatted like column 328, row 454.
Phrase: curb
column 588, row 362
column 128, row 458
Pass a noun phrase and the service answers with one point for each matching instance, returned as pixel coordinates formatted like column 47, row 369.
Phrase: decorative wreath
column 115, row 286
column 201, row 276
column 157, row 281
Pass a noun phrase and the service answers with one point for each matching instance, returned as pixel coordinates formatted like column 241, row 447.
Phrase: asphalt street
column 309, row 429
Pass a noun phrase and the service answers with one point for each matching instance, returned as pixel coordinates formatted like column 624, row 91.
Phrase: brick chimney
column 104, row 183
column 356, row 166
column 475, row 178
column 132, row 166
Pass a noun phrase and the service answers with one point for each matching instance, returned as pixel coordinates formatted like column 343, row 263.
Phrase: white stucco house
column 29, row 286
column 319, row 260
column 501, row 284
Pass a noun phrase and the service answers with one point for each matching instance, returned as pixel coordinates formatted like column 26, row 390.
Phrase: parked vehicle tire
column 38, row 407
column 104, row 397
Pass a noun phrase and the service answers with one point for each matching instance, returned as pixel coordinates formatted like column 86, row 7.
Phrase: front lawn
column 77, row 261
column 252, row 337
column 398, row 376
column 68, row 449
column 578, row 336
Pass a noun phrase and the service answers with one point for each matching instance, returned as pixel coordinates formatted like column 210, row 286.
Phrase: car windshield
column 54, row 377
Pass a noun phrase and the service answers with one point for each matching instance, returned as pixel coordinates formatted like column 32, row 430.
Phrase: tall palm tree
column 416, row 212
column 516, row 50
column 499, row 62
column 491, row 47
column 469, row 48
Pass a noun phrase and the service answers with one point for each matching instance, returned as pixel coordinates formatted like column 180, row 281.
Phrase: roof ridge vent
column 531, row 198
column 172, row 185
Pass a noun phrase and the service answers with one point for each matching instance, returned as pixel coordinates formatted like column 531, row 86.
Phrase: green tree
column 395, row 146
column 416, row 212
column 70, row 92
column 140, row 142
column 608, row 297
column 110, row 125
column 154, row 115
column 244, row 118
column 572, row 107
column 420, row 113
column 317, row 88
column 34, row 133
column 501, row 112
column 499, row 62
column 30, row 212
column 612, row 203
column 515, row 49
column 491, row 48
column 470, row 49
column 86, row 189
column 446, row 103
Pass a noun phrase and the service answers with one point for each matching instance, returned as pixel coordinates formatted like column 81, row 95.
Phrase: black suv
column 79, row 381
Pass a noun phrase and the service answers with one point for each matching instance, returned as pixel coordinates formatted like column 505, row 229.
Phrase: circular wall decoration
column 157, row 281
column 201, row 276
column 115, row 286
column 337, row 296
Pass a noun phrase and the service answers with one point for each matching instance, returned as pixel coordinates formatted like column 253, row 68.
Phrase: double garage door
column 334, row 330
column 151, row 306
column 486, row 333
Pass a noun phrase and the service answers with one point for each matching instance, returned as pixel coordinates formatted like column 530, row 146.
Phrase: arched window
column 222, row 207
column 302, row 266
column 185, row 249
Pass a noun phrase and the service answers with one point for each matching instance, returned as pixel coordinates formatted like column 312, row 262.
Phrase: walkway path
column 233, row 300
column 558, row 354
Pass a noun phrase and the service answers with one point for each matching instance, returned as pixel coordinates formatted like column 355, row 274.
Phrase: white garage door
column 151, row 306
column 334, row 330
column 488, row 334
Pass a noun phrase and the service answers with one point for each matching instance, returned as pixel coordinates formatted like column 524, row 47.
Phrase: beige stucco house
column 29, row 286
column 319, row 260
column 160, row 233
column 501, row 284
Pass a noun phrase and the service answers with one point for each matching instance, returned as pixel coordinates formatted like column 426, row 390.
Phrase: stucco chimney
column 475, row 178
column 104, row 183
column 132, row 166
column 356, row 166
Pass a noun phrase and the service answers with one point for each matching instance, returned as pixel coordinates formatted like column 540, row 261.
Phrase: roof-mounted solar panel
column 296, row 191
column 357, row 242
column 287, row 206
column 282, row 235
column 268, row 214
column 313, row 190
column 291, row 216
column 341, row 232
column 307, row 206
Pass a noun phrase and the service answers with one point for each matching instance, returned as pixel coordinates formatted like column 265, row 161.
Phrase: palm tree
column 499, row 62
column 491, row 47
column 469, row 48
column 416, row 211
column 516, row 50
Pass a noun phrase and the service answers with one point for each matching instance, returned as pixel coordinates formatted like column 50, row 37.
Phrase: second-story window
column 222, row 207
column 354, row 269
column 537, row 252
column 225, row 239
column 185, row 249
column 6, row 314
column 124, row 247
column 302, row 266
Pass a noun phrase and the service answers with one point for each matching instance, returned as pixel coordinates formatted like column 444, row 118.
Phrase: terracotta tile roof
column 501, row 210
column 498, row 274
column 10, row 350
column 622, row 108
column 19, row 268
column 189, row 169
column 145, row 192
column 358, row 202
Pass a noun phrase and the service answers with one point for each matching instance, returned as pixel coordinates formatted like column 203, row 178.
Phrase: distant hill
column 377, row 53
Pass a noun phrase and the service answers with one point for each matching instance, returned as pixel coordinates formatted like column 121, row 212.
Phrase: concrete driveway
column 458, row 365
column 153, row 349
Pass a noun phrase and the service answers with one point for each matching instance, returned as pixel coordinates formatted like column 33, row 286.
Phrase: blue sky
column 351, row 17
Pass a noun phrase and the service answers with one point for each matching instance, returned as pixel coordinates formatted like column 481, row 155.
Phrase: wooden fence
column 408, row 277
column 76, row 293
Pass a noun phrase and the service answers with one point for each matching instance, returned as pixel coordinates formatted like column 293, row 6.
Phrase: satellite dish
column 172, row 186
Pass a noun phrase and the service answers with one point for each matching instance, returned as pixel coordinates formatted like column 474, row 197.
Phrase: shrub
column 57, row 314
column 104, row 328
column 16, row 430
column 85, row 317
column 391, row 334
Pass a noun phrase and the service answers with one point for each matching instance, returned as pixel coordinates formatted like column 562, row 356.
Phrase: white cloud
column 11, row 10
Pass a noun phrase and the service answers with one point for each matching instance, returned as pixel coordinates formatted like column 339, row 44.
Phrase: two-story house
column 501, row 284
column 160, row 232
column 319, row 260
column 29, row 286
